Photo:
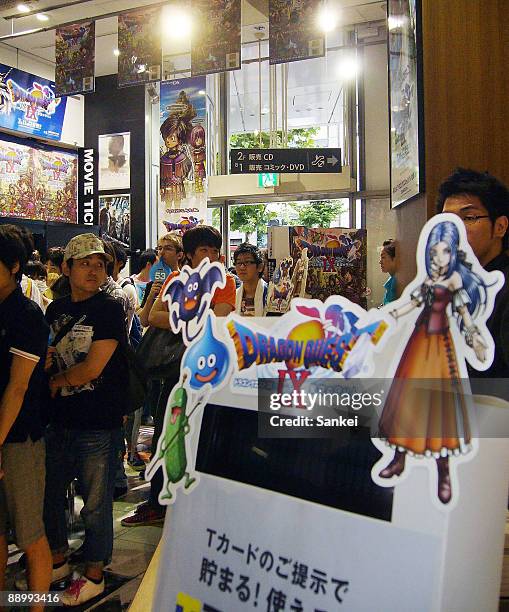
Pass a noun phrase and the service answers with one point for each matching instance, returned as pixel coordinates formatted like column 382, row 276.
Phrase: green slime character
column 173, row 446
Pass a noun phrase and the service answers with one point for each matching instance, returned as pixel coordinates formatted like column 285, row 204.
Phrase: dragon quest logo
column 327, row 339
column 39, row 100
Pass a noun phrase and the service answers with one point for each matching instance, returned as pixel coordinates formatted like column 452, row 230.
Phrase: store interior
column 339, row 100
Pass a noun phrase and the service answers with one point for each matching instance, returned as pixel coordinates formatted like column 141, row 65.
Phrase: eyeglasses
column 244, row 264
column 472, row 219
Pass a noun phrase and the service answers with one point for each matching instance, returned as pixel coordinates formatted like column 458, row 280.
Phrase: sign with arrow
column 291, row 161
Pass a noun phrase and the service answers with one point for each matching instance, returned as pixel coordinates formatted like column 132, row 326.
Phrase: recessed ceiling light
column 23, row 8
column 42, row 17
column 176, row 23
column 116, row 52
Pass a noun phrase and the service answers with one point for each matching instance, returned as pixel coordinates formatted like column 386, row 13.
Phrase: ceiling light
column 176, row 24
column 348, row 68
column 42, row 17
column 23, row 8
column 116, row 52
column 327, row 20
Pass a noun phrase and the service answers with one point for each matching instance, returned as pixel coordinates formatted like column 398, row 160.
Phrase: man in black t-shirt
column 89, row 389
column 23, row 342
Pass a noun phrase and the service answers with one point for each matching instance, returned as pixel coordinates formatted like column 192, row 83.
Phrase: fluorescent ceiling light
column 42, row 17
column 23, row 8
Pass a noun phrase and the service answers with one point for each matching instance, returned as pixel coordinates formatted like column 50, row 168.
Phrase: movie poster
column 215, row 45
column 37, row 184
column 139, row 44
column 75, row 58
column 55, row 181
column 316, row 263
column 404, row 101
column 293, row 30
column 115, row 218
column 28, row 104
column 114, row 161
column 183, row 153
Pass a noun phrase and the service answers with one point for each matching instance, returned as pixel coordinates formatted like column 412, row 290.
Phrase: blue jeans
column 88, row 456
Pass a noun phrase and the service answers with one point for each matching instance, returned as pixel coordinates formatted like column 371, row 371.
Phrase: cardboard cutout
column 449, row 302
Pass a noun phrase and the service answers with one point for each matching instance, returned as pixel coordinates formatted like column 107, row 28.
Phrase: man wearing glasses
column 251, row 296
column 482, row 202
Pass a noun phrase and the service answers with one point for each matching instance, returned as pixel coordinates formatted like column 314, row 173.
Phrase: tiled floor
column 132, row 550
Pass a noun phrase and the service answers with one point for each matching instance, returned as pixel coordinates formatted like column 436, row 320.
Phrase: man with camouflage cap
column 88, row 386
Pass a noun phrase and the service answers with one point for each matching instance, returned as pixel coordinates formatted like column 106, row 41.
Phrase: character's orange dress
column 428, row 417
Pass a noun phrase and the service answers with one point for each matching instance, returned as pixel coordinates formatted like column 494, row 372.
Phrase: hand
column 479, row 347
column 50, row 358
column 155, row 290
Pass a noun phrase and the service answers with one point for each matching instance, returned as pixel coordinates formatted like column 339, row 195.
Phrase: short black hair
column 492, row 193
column 389, row 246
column 13, row 248
column 201, row 235
column 148, row 256
column 36, row 270
column 56, row 256
column 109, row 250
column 120, row 252
column 251, row 249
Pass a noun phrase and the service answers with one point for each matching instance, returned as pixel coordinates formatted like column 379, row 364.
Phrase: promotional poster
column 75, row 58
column 183, row 152
column 28, row 104
column 115, row 218
column 211, row 52
column 404, row 101
column 114, row 161
column 37, row 184
column 139, row 44
column 293, row 30
column 316, row 263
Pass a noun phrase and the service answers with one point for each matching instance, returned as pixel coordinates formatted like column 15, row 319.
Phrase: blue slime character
column 207, row 360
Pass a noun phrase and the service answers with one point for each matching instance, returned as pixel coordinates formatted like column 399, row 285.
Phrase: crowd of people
column 66, row 327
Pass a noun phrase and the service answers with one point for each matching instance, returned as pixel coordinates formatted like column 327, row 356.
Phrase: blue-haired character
column 435, row 423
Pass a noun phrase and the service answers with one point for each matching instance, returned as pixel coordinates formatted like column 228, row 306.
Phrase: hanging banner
column 28, row 104
column 139, row 45
column 293, row 30
column 183, row 163
column 211, row 52
column 405, row 98
column 316, row 263
column 75, row 58
column 37, row 184
column 114, row 161
column 115, row 218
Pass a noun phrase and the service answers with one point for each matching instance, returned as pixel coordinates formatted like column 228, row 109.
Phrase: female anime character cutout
column 434, row 422
column 175, row 163
column 197, row 142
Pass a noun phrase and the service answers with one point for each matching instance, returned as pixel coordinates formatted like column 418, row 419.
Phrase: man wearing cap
column 88, row 385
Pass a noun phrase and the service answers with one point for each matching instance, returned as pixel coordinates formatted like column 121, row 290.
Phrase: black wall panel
column 110, row 110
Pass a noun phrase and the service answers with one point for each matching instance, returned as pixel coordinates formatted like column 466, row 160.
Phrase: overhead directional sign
column 292, row 161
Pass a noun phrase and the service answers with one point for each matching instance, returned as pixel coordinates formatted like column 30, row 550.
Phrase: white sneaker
column 57, row 575
column 81, row 590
